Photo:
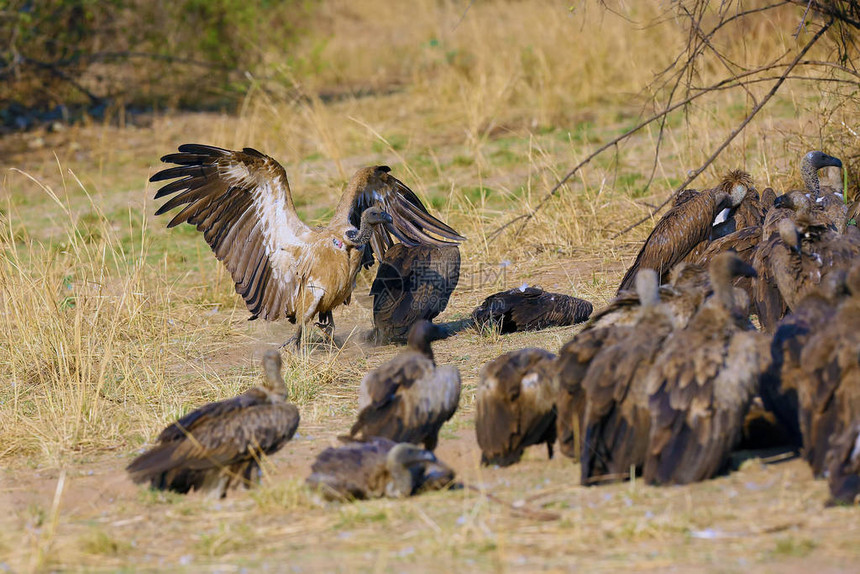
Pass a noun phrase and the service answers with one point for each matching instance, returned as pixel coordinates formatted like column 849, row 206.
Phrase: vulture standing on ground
column 686, row 225
column 412, row 283
column 219, row 445
column 702, row 383
column 829, row 394
column 778, row 386
column 516, row 405
column 617, row 420
column 830, row 199
column 409, row 398
column 282, row 267
column 530, row 309
column 377, row 468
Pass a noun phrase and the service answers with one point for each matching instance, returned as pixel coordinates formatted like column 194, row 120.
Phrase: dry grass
column 112, row 326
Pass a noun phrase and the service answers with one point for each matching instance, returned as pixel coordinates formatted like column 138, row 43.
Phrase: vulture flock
column 664, row 382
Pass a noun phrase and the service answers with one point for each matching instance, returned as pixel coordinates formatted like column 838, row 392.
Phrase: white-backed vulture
column 412, row 283
column 530, row 309
column 750, row 213
column 686, row 225
column 409, row 398
column 778, row 386
column 376, row 468
column 283, row 268
column 831, row 200
column 617, row 418
column 702, row 382
column 829, row 394
column 516, row 405
column 219, row 445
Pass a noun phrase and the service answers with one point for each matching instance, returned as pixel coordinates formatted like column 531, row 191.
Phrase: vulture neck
column 400, row 484
column 724, row 292
column 809, row 173
column 365, row 232
column 421, row 345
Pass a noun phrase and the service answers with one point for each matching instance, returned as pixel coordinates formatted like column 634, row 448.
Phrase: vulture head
column 789, row 235
column 723, row 270
column 421, row 334
column 793, row 200
column 400, row 462
column 811, row 163
column 736, row 184
column 370, row 217
column 273, row 381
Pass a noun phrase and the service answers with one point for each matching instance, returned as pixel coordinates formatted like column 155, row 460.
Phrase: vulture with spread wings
column 283, row 268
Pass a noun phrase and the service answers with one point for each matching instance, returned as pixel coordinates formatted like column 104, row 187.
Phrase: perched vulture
column 409, row 398
column 778, row 386
column 617, row 419
column 516, row 405
column 282, row 267
column 412, row 283
column 376, row 468
column 530, row 309
column 219, row 445
column 829, row 394
column 702, row 383
column 686, row 225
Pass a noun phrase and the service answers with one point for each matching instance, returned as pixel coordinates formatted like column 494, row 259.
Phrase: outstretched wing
column 241, row 202
column 411, row 223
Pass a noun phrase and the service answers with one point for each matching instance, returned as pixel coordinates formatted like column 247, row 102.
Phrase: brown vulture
column 376, row 468
column 412, row 283
column 617, row 418
column 516, row 405
column 282, row 267
column 530, row 309
column 750, row 213
column 686, row 225
column 219, row 445
column 831, row 200
column 409, row 398
column 702, row 383
column 778, row 386
column 829, row 394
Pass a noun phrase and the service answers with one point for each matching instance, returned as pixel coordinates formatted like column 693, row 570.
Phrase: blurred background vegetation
column 62, row 56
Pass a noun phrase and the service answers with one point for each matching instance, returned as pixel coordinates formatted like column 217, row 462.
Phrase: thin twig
column 541, row 515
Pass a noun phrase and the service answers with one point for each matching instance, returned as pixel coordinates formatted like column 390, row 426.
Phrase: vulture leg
column 549, row 449
column 326, row 324
column 302, row 331
column 220, row 489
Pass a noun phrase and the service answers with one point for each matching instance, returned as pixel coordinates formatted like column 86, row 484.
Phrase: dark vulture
column 516, row 405
column 843, row 458
column 686, row 225
column 412, row 283
column 829, row 394
column 219, row 445
column 702, row 383
column 409, row 398
column 282, row 267
column 617, row 418
column 376, row 468
column 778, row 386
column 530, row 309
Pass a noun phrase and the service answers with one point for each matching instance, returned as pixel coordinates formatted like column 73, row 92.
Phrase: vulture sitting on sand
column 377, row 468
column 219, row 445
column 687, row 225
column 530, row 309
column 702, row 383
column 616, row 421
column 409, row 398
column 412, row 283
column 516, row 405
column 282, row 267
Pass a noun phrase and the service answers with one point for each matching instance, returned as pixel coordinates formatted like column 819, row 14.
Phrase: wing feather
column 241, row 201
